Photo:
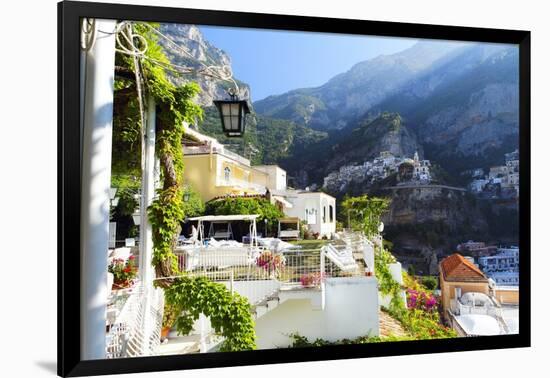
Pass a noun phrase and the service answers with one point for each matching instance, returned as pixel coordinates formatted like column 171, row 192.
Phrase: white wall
column 276, row 179
column 314, row 200
column 350, row 311
column 397, row 274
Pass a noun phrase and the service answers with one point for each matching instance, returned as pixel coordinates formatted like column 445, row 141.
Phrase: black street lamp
column 233, row 114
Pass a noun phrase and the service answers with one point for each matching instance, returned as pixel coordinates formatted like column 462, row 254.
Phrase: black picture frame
column 69, row 14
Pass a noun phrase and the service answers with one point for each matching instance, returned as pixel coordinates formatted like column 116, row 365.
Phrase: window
column 331, row 213
column 311, row 216
column 227, row 173
column 324, row 214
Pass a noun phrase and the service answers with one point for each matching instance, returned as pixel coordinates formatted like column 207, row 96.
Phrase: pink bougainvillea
column 421, row 300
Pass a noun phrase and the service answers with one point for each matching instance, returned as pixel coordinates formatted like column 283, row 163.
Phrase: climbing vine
column 229, row 313
column 386, row 283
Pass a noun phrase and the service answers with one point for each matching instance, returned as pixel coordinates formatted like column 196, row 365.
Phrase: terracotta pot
column 164, row 333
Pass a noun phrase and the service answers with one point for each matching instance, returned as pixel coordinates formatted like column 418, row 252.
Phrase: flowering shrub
column 312, row 279
column 270, row 261
column 421, row 300
column 124, row 272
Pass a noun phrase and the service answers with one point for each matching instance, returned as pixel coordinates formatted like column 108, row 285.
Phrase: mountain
column 459, row 102
column 199, row 53
column 466, row 108
column 349, row 95
column 387, row 132
column 456, row 103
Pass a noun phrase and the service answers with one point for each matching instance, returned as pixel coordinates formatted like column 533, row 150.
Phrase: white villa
column 318, row 209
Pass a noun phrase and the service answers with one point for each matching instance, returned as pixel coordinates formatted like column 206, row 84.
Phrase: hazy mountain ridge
column 338, row 102
column 455, row 101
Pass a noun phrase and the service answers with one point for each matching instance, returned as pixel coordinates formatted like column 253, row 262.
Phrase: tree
column 192, row 202
column 364, row 212
column 260, row 206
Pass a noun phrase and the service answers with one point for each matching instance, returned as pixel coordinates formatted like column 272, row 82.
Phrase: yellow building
column 457, row 276
column 214, row 171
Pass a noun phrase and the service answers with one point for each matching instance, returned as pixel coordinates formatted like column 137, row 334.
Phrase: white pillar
column 147, row 195
column 96, row 181
column 146, row 232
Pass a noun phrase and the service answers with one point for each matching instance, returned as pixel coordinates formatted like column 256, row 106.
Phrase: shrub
column 238, row 205
column 430, row 282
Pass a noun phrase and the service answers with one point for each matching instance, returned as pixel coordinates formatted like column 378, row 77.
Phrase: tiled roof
column 457, row 268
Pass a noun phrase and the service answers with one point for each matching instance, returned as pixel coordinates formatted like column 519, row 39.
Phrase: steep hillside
column 349, row 95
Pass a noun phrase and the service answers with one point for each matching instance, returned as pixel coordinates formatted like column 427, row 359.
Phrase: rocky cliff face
column 200, row 53
column 431, row 221
column 388, row 132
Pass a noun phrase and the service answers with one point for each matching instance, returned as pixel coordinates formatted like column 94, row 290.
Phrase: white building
column 318, row 209
column 275, row 176
column 506, row 259
column 478, row 185
column 503, row 267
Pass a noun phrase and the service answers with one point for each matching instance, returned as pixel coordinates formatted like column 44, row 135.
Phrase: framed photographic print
column 240, row 188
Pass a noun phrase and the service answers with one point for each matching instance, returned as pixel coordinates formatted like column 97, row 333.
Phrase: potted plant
column 312, row 279
column 124, row 272
column 169, row 318
column 271, row 262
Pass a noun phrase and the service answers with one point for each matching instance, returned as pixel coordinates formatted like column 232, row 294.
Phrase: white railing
column 252, row 273
column 206, row 149
column 135, row 327
column 461, row 309
column 458, row 308
column 360, row 244
column 238, row 183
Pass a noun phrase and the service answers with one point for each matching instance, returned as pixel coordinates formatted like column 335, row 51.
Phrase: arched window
column 324, row 214
column 331, row 213
column 227, row 173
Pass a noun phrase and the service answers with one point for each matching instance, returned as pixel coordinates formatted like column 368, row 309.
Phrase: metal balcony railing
column 258, row 274
column 135, row 321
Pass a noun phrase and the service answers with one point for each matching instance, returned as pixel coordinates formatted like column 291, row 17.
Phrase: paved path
column 389, row 326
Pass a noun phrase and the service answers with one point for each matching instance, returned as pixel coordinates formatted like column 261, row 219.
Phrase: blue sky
column 274, row 62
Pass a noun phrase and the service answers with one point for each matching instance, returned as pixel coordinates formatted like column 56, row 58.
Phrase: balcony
column 206, row 149
column 239, row 184
column 260, row 275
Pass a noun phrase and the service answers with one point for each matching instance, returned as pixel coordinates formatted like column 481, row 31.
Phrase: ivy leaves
column 229, row 313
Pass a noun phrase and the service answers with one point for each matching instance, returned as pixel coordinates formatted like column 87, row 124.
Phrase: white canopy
column 226, row 218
